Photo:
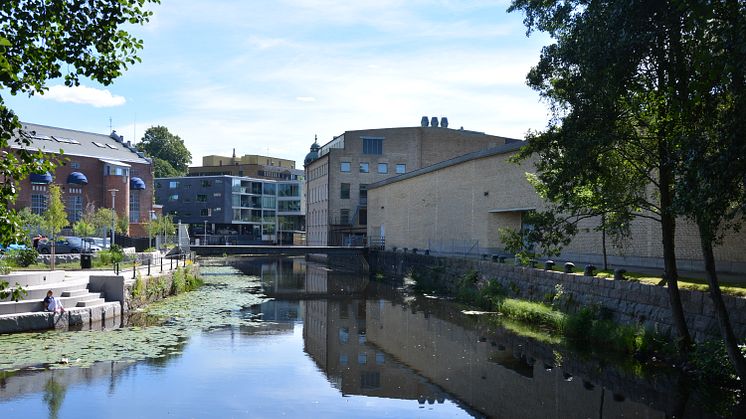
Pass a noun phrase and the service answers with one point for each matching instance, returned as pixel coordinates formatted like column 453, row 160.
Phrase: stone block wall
column 627, row 302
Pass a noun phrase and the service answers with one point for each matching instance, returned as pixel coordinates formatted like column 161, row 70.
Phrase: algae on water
column 217, row 304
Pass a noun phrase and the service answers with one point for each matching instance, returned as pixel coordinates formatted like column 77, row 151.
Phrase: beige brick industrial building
column 458, row 205
column 339, row 172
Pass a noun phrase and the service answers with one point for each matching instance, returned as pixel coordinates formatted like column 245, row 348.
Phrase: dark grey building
column 233, row 209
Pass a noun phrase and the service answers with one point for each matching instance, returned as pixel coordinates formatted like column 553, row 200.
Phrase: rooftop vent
column 444, row 122
column 434, row 122
column 116, row 136
column 425, row 121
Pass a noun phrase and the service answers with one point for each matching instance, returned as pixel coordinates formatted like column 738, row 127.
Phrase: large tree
column 712, row 187
column 44, row 40
column 649, row 96
column 613, row 78
column 170, row 155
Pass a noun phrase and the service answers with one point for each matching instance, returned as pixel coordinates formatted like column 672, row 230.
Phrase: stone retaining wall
column 627, row 302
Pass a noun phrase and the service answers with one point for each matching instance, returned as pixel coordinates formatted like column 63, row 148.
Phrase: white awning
column 115, row 163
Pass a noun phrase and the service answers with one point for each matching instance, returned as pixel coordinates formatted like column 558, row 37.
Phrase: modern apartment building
column 249, row 165
column 234, row 209
column 96, row 170
column 339, row 172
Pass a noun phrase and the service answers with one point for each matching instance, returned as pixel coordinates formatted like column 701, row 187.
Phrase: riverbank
column 624, row 302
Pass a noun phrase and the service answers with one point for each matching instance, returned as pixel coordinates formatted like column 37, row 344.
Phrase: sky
column 265, row 77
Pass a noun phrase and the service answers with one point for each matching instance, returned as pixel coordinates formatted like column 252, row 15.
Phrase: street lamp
column 113, row 215
column 150, row 229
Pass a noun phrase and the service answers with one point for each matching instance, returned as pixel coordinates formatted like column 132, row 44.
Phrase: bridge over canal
column 219, row 250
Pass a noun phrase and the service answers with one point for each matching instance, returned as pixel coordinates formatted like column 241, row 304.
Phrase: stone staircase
column 71, row 294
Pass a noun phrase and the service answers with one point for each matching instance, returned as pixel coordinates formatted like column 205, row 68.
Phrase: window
column 270, row 189
column 383, row 167
column 217, row 194
column 344, row 191
column 74, row 208
column 134, row 206
column 173, row 184
column 401, row 168
column 344, row 167
column 38, row 203
column 363, row 194
column 201, row 198
column 344, row 216
column 173, row 197
column 372, row 145
column 74, row 165
column 205, row 183
column 364, row 167
column 205, row 212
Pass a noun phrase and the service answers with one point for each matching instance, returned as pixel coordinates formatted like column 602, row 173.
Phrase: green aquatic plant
column 217, row 304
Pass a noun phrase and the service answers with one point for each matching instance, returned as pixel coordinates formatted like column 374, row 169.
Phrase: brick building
column 457, row 206
column 339, row 172
column 248, row 165
column 91, row 167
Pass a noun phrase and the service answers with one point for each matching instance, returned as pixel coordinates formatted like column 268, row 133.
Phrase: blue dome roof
column 313, row 154
column 77, row 178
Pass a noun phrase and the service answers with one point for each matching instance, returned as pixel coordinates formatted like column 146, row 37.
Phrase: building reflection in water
column 368, row 342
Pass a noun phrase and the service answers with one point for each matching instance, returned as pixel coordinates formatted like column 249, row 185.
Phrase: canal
column 282, row 337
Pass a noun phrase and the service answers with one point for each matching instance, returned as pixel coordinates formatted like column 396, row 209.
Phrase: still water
column 282, row 337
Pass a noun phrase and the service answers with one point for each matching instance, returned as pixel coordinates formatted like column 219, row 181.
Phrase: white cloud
column 84, row 95
column 305, row 99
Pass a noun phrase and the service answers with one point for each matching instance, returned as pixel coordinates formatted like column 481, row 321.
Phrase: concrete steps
column 91, row 302
column 37, row 292
column 69, row 298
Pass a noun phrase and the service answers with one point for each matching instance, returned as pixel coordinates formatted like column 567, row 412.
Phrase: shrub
column 4, row 267
column 24, row 257
column 535, row 313
column 138, row 290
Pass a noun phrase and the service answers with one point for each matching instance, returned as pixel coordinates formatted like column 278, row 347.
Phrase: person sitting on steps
column 52, row 303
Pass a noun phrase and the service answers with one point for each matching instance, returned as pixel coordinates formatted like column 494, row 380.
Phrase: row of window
column 74, row 207
column 345, row 192
column 175, row 184
column 346, row 167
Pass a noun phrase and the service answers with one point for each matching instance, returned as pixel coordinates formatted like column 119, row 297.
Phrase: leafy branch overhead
column 42, row 41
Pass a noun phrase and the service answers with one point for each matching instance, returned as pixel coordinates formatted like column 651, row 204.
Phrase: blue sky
column 266, row 76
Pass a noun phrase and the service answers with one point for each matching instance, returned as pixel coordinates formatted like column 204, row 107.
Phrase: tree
column 54, row 219
column 42, row 41
column 170, row 155
column 83, row 228
column 612, row 79
column 712, row 190
column 30, row 222
column 103, row 219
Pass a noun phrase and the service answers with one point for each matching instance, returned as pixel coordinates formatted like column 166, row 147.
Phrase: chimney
column 425, row 121
column 434, row 122
column 444, row 122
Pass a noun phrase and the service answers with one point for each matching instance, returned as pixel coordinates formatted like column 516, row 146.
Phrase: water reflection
column 372, row 340
column 367, row 340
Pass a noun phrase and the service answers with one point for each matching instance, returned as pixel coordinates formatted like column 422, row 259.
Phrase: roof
column 479, row 154
column 81, row 143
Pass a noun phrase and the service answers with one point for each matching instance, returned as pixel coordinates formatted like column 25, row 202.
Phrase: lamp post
column 150, row 229
column 113, row 215
column 204, row 233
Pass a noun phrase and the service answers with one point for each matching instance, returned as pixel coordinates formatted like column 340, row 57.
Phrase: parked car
column 12, row 246
column 68, row 245
column 97, row 241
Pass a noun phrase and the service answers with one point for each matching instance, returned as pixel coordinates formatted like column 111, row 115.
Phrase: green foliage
column 547, row 235
column 31, row 222
column 16, row 293
column 4, row 267
column 54, row 219
column 534, row 313
column 138, row 289
column 110, row 256
column 83, row 228
column 170, row 156
column 23, row 257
